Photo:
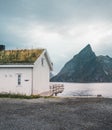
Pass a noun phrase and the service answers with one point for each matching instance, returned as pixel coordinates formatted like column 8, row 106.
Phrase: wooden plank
column 57, row 88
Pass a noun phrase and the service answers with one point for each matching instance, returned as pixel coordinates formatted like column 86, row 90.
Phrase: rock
column 86, row 67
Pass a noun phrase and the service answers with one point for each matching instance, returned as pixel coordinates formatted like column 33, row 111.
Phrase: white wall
column 34, row 79
column 9, row 80
column 41, row 76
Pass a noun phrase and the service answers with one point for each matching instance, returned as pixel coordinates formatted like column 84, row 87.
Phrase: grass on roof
column 19, row 56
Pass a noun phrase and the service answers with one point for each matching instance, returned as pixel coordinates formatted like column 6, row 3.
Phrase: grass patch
column 7, row 95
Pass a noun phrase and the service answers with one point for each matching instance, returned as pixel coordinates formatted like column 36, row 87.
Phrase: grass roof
column 20, row 56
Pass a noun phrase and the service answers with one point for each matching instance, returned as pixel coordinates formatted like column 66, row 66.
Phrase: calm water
column 86, row 89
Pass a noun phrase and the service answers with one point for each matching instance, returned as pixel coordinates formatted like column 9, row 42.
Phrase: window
column 42, row 61
column 19, row 79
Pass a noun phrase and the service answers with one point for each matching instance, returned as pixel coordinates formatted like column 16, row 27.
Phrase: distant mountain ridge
column 86, row 67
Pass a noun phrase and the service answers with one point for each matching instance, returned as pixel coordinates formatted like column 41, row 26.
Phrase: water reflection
column 87, row 89
column 81, row 93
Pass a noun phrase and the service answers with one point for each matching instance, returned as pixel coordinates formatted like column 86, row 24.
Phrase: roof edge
column 16, row 66
column 48, row 60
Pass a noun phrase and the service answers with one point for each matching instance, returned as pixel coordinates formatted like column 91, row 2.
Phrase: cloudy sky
column 63, row 27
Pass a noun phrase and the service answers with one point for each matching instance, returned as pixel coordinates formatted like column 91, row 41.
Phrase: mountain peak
column 86, row 52
column 86, row 49
column 86, row 67
column 88, row 46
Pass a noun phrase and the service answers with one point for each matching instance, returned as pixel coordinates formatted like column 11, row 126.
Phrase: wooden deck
column 56, row 88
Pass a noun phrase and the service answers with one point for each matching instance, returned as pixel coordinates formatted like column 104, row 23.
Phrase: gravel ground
column 56, row 114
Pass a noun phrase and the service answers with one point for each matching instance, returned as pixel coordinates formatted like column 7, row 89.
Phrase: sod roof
column 26, row 56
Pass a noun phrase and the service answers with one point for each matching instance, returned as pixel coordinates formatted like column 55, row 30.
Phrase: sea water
column 86, row 89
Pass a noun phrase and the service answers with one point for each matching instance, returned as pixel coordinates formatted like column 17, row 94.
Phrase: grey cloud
column 58, row 16
column 59, row 11
column 105, row 48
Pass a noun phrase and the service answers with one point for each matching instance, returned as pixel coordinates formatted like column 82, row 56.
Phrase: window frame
column 19, row 79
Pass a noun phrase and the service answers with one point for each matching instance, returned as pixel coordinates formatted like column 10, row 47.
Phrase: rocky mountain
column 86, row 67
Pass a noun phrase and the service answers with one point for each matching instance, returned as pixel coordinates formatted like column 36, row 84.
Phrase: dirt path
column 56, row 114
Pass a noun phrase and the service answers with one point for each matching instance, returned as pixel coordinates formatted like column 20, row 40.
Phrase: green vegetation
column 7, row 95
column 19, row 56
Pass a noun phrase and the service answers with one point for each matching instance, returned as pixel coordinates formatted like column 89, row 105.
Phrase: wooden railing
column 56, row 88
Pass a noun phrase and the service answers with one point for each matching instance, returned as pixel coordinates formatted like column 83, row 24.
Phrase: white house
column 24, row 71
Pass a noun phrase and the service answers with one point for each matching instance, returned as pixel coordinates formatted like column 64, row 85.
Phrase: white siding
column 41, row 76
column 9, row 80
